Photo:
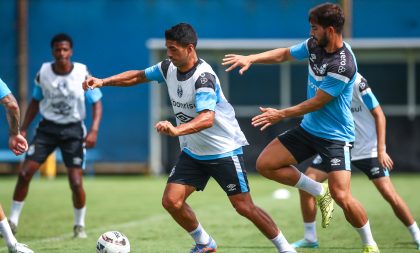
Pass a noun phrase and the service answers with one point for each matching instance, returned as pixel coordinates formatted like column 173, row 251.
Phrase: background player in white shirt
column 209, row 135
column 18, row 145
column 370, row 156
column 60, row 99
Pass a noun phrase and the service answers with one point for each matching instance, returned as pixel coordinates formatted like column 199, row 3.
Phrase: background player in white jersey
column 369, row 155
column 59, row 97
column 18, row 145
column 210, row 137
column 327, row 127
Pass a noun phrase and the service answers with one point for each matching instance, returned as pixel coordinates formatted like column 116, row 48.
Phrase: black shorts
column 229, row 172
column 302, row 145
column 370, row 166
column 68, row 137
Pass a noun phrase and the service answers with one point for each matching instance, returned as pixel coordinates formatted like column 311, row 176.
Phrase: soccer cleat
column 205, row 248
column 370, row 249
column 20, row 248
column 79, row 232
column 326, row 205
column 305, row 244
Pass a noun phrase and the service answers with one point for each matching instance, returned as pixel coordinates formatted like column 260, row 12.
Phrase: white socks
column 366, row 235
column 7, row 234
column 309, row 185
column 310, row 231
column 15, row 211
column 199, row 235
column 414, row 231
column 79, row 216
column 281, row 243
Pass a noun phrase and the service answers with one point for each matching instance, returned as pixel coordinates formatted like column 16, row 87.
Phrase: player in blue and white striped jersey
column 370, row 156
column 327, row 127
column 210, row 137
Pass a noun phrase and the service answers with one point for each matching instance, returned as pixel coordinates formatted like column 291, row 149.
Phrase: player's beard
column 323, row 41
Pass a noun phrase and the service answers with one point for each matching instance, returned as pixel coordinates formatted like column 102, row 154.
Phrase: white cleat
column 20, row 248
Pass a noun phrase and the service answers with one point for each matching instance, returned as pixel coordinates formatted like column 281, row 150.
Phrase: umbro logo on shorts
column 335, row 162
column 231, row 187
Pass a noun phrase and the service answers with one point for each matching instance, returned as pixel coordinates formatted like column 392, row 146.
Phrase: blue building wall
column 109, row 36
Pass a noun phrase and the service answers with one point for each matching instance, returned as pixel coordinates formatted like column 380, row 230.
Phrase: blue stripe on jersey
column 37, row 93
column 4, row 90
column 153, row 73
column 300, row 51
column 237, row 151
column 205, row 101
column 347, row 158
column 93, row 96
column 370, row 100
column 240, row 173
column 332, row 86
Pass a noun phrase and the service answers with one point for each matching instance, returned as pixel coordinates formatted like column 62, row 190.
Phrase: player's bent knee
column 171, row 204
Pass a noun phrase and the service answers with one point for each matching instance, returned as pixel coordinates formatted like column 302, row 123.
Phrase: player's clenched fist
column 92, row 83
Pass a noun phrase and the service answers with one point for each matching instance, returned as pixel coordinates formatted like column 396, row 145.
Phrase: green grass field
column 132, row 205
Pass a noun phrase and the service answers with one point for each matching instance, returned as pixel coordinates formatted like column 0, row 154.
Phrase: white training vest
column 224, row 136
column 63, row 95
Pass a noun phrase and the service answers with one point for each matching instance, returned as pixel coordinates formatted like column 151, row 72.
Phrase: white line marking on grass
column 68, row 236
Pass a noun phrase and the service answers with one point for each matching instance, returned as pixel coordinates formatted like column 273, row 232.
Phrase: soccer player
column 327, row 127
column 59, row 97
column 210, row 137
column 369, row 155
column 18, row 145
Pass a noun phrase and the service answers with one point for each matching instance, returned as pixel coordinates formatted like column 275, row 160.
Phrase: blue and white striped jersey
column 334, row 73
column 192, row 92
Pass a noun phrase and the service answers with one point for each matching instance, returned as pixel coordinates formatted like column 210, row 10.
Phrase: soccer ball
column 112, row 242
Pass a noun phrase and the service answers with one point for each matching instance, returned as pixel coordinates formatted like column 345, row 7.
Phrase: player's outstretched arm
column 124, row 79
column 380, row 123
column 268, row 57
column 17, row 143
column 270, row 116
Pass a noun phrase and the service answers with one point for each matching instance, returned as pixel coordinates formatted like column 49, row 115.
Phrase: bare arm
column 380, row 123
column 92, row 135
column 205, row 119
column 278, row 55
column 31, row 112
column 13, row 114
column 124, row 79
column 17, row 143
column 271, row 116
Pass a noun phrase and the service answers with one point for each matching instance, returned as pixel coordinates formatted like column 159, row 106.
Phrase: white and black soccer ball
column 112, row 242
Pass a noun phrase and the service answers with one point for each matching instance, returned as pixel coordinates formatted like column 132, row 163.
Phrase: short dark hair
column 61, row 37
column 328, row 14
column 182, row 33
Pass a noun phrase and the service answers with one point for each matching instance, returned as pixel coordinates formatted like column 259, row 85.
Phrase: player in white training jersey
column 209, row 135
column 18, row 145
column 60, row 99
column 369, row 155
